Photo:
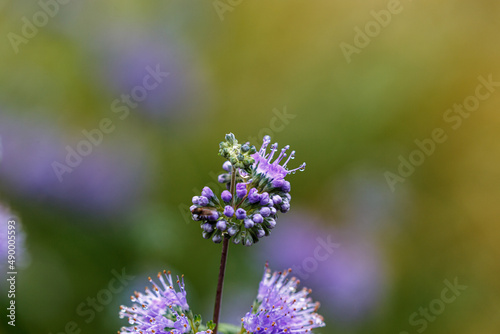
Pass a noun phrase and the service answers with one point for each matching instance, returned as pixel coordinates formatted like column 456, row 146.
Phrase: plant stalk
column 223, row 260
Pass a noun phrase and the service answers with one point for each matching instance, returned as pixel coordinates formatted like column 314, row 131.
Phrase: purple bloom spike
column 260, row 189
column 149, row 311
column 273, row 170
column 281, row 308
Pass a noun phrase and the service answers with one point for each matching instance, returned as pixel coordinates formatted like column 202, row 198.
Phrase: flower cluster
column 278, row 309
column 162, row 310
column 256, row 192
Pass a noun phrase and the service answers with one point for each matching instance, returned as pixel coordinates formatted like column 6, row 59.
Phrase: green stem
column 191, row 323
column 223, row 260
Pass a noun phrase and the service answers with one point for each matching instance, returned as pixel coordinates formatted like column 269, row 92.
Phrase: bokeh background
column 253, row 68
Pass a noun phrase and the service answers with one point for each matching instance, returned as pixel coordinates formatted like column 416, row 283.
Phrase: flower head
column 280, row 308
column 265, row 168
column 260, row 191
column 160, row 310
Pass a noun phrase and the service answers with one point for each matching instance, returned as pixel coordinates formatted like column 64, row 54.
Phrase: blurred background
column 146, row 90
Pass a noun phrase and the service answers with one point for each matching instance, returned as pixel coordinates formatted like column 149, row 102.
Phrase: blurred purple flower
column 104, row 182
column 280, row 307
column 124, row 52
column 344, row 267
column 364, row 200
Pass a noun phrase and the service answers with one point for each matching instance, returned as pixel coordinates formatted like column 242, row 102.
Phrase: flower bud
column 265, row 212
column 227, row 166
column 221, row 225
column 241, row 213
column 248, row 223
column 207, row 192
column 241, row 190
column 202, row 201
column 264, row 199
column 253, row 196
column 226, row 196
column 257, row 218
column 228, row 211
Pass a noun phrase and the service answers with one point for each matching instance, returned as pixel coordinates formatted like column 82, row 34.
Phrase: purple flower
column 277, row 199
column 214, row 216
column 153, row 311
column 271, row 222
column 273, row 170
column 128, row 53
column 241, row 190
column 195, row 199
column 207, row 192
column 278, row 183
column 259, row 185
column 226, row 196
column 281, row 308
column 221, row 225
column 228, row 211
column 223, row 178
column 241, row 213
column 265, row 211
column 285, row 207
column 227, row 166
column 257, row 218
column 248, row 223
column 207, row 227
column 286, row 186
column 253, row 196
column 264, row 199
column 109, row 181
column 202, row 201
column 233, row 230
column 341, row 264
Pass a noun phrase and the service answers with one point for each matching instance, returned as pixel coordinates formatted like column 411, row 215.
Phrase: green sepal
column 211, row 325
